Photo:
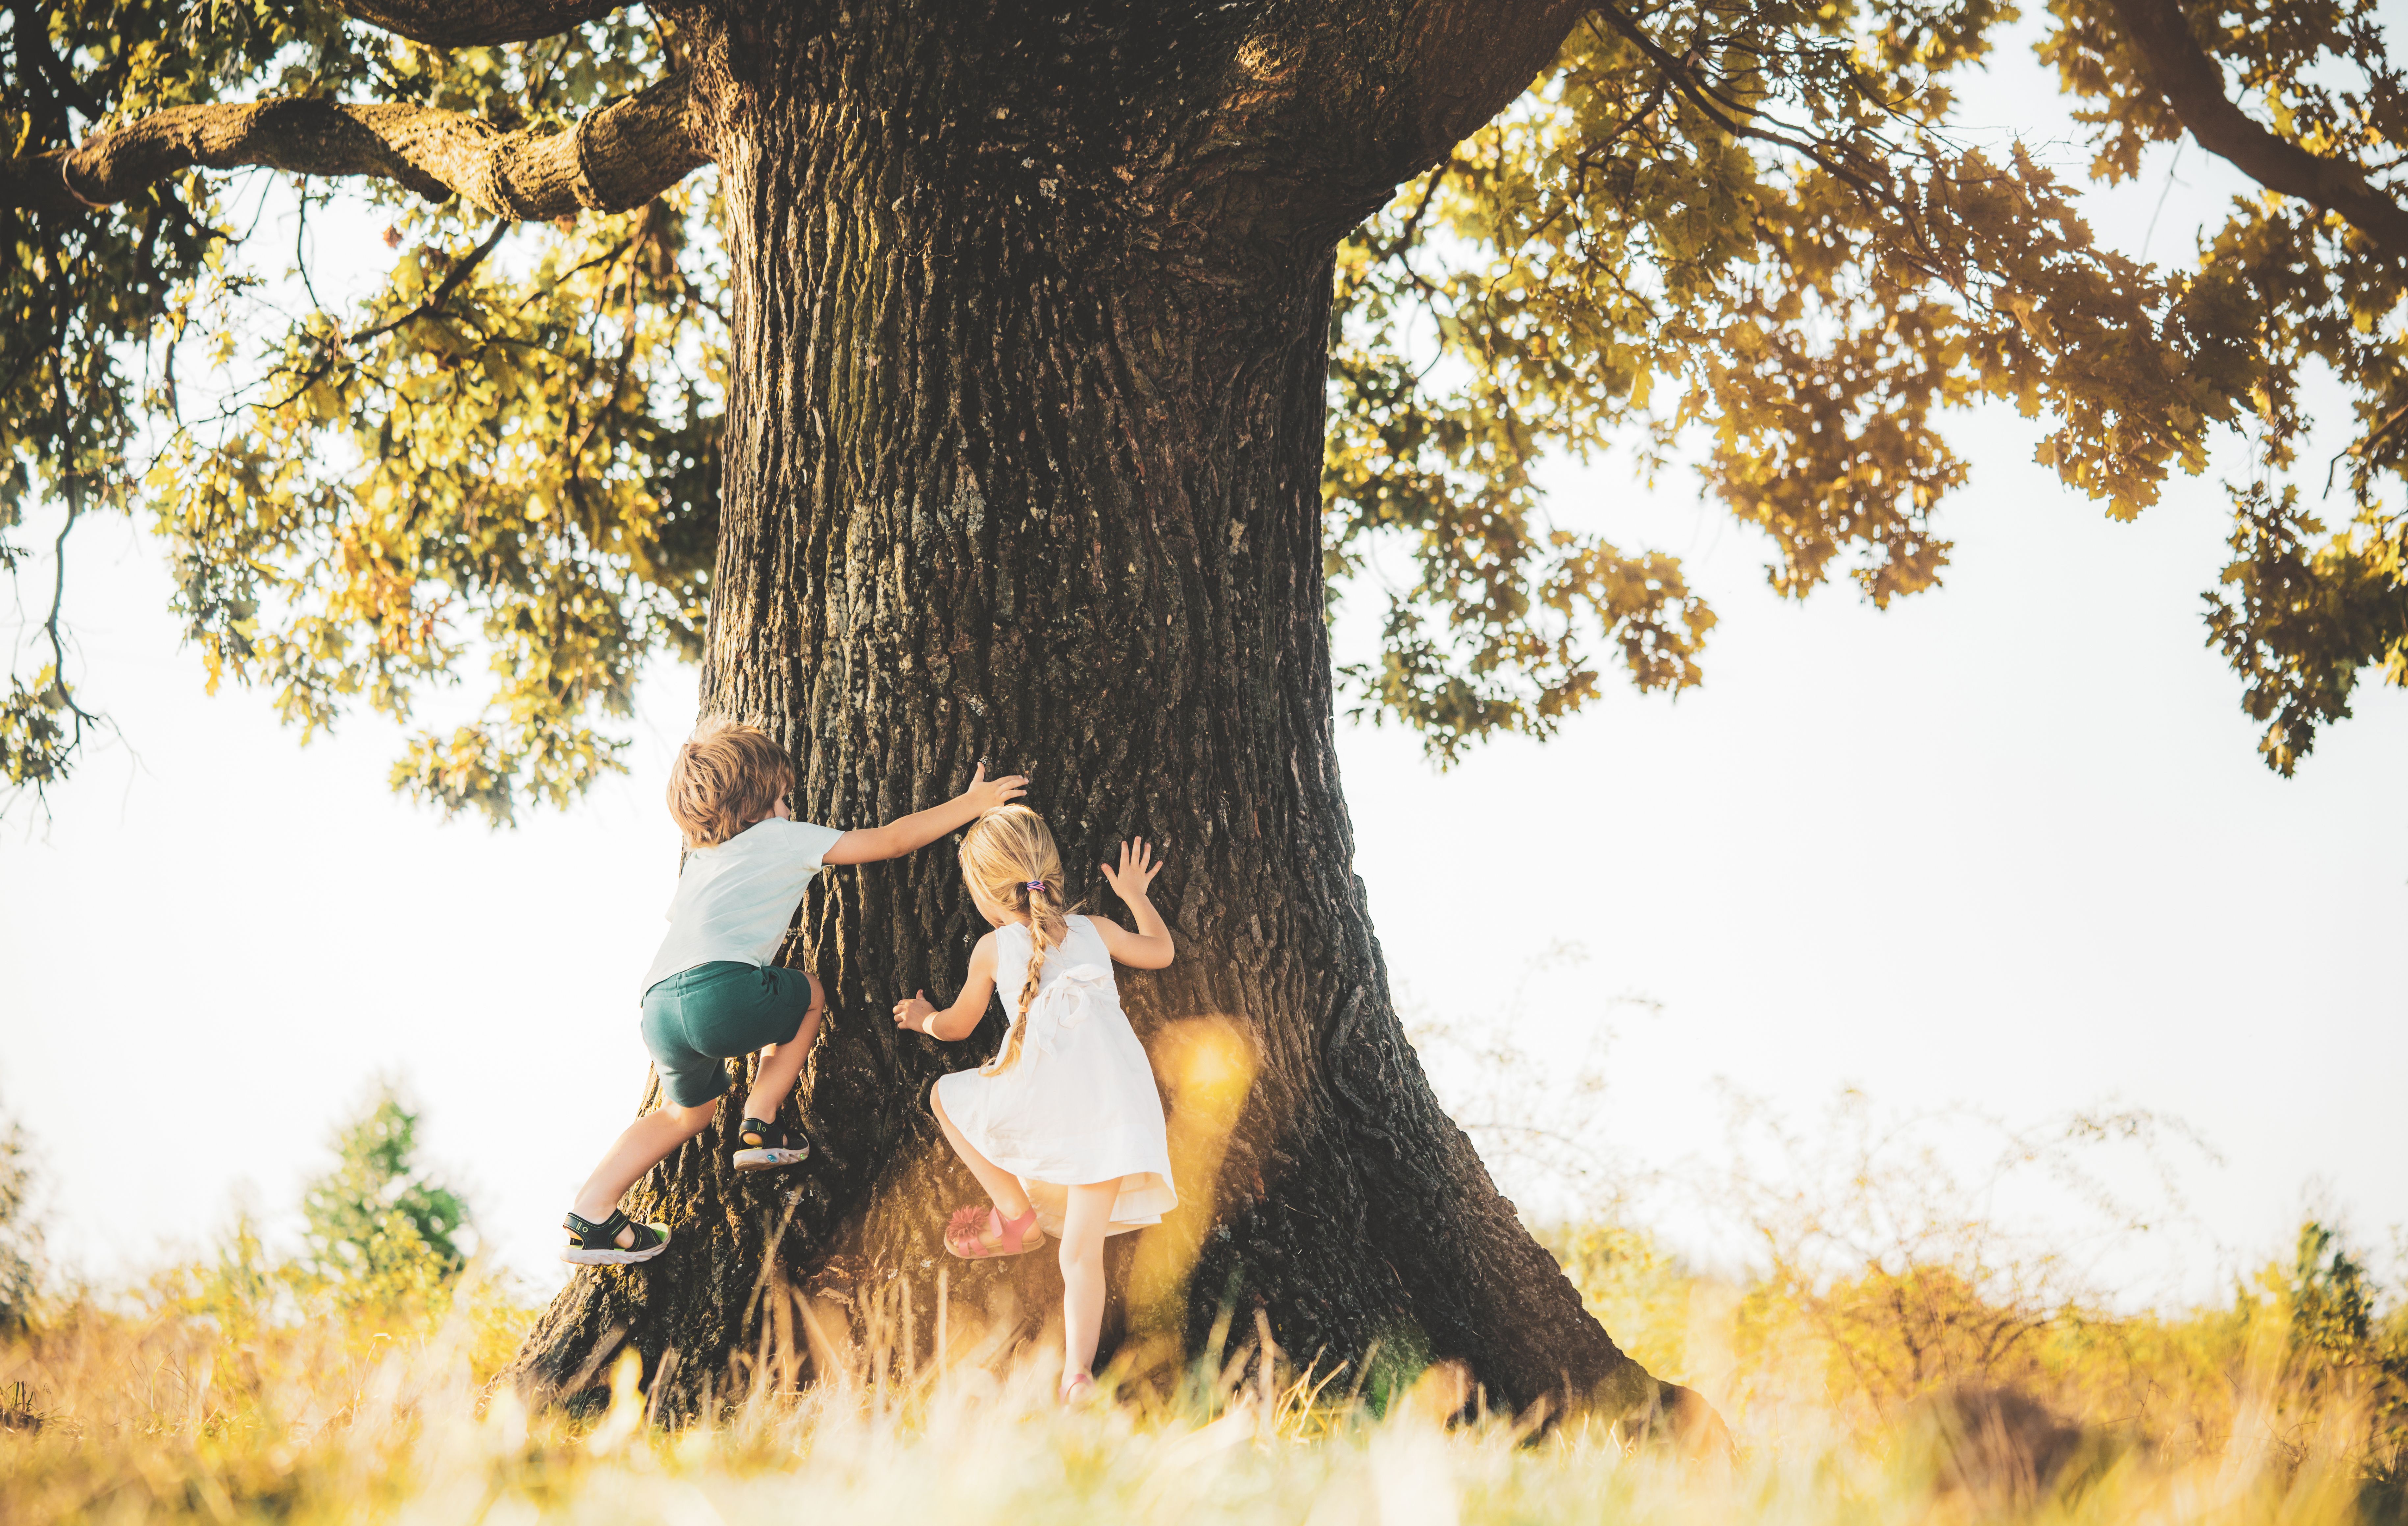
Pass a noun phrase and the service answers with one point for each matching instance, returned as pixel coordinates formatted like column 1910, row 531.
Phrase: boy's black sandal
column 766, row 1147
column 597, row 1245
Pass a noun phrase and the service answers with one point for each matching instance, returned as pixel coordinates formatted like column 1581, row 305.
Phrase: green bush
column 2345, row 1351
column 379, row 1230
column 20, row 1235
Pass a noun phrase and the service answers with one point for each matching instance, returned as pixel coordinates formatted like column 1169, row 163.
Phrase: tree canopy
column 1753, row 235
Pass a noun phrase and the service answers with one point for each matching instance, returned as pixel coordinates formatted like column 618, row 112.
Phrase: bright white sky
column 2008, row 845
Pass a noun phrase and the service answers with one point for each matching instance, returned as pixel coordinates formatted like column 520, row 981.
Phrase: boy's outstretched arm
column 922, row 828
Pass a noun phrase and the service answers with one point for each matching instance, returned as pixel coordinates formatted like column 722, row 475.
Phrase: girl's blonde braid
column 1040, row 900
column 1010, row 858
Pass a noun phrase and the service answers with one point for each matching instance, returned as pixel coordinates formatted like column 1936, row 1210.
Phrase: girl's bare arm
column 1149, row 946
column 958, row 1020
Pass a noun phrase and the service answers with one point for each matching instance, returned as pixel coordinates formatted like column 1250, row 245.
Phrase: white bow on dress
column 1064, row 1003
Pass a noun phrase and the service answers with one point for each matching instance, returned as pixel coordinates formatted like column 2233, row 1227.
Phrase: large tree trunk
column 1023, row 451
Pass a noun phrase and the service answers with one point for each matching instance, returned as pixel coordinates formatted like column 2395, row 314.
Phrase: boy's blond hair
column 728, row 777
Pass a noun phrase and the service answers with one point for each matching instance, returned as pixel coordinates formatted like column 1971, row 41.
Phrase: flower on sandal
column 968, row 1227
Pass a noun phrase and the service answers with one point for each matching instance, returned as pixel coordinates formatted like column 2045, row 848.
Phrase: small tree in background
column 20, row 1233
column 378, row 1228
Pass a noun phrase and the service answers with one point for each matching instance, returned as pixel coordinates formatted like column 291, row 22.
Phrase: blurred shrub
column 1885, row 1263
column 2345, row 1362
column 2308, row 1360
column 1649, row 1300
column 379, row 1230
column 20, row 1232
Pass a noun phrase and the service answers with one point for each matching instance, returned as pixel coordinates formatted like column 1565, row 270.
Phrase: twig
column 58, row 604
column 429, row 308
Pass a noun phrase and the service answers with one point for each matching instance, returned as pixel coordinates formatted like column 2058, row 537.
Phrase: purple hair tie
column 1037, row 884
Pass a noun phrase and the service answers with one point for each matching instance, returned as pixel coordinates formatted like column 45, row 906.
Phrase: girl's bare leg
column 645, row 1143
column 1083, row 1222
column 1010, row 1200
column 782, row 1064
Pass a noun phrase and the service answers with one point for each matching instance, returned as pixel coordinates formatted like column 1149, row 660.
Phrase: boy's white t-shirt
column 735, row 899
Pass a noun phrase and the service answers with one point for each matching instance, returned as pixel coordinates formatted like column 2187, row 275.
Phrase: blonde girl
column 1063, row 1128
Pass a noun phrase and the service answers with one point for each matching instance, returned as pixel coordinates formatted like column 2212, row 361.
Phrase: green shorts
column 698, row 1019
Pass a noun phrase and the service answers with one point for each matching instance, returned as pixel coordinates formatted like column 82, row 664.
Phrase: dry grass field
column 1890, row 1356
column 239, row 1389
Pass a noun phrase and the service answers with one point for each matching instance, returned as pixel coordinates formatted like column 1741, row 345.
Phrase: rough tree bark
column 1023, row 449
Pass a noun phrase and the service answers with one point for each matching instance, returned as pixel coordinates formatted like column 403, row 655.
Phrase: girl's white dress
column 1079, row 1105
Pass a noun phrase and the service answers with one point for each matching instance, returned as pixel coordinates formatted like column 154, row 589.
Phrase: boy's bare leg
column 781, row 1065
column 645, row 1143
column 1010, row 1200
column 1084, row 1221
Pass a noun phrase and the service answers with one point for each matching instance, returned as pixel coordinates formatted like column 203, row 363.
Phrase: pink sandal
column 1077, row 1389
column 965, row 1233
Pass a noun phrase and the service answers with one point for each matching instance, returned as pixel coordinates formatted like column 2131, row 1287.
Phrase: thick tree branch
column 618, row 157
column 1467, row 61
column 1344, row 124
column 475, row 23
column 2177, row 67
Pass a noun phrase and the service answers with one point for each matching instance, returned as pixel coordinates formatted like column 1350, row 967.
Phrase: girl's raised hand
column 1150, row 947
column 985, row 793
column 912, row 1012
column 1139, row 866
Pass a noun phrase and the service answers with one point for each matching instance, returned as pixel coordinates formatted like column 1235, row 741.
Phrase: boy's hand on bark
column 913, row 1012
column 986, row 794
column 1138, row 868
